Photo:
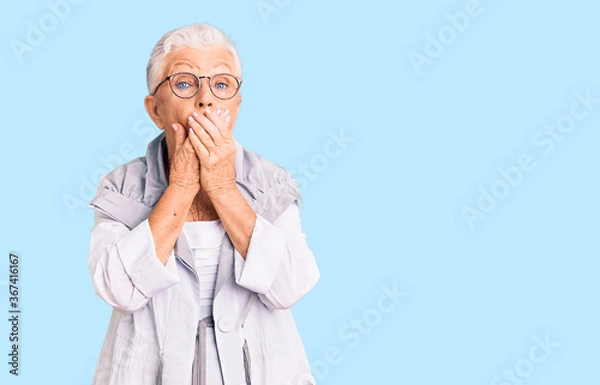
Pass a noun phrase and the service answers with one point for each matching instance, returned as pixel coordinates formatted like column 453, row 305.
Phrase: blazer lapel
column 225, row 269
column 182, row 251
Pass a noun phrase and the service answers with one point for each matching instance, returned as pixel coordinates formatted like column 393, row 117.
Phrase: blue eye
column 221, row 86
column 183, row 85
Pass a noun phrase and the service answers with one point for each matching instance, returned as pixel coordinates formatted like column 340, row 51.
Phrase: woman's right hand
column 184, row 169
column 170, row 212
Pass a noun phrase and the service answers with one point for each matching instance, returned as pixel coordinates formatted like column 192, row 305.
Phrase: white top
column 204, row 239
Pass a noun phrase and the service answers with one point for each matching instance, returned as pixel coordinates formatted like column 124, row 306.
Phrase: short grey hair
column 189, row 36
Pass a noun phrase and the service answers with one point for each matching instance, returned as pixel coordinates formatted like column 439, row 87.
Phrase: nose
column 204, row 98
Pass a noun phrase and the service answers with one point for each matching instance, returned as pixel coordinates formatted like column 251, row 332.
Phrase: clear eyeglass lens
column 224, row 86
column 184, row 85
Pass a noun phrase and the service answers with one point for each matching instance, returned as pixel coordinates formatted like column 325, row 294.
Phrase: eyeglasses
column 186, row 85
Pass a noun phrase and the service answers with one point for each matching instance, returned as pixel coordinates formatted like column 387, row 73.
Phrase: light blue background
column 387, row 210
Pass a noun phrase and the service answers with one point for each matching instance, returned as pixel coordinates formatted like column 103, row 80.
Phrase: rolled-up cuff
column 266, row 249
column 138, row 255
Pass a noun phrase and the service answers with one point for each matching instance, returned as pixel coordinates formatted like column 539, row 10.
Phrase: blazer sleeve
column 279, row 265
column 125, row 269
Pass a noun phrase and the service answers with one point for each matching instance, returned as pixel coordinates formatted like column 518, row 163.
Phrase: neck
column 202, row 209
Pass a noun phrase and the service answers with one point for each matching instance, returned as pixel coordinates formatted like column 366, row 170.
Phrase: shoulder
column 127, row 179
column 120, row 194
column 260, row 171
column 133, row 178
column 267, row 185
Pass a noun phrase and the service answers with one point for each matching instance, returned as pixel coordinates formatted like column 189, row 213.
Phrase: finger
column 199, row 147
column 190, row 153
column 209, row 126
column 179, row 136
column 227, row 130
column 222, row 121
column 201, row 133
column 188, row 147
column 179, row 133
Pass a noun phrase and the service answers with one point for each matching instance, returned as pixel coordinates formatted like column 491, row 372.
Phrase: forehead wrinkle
column 180, row 63
column 190, row 65
column 222, row 64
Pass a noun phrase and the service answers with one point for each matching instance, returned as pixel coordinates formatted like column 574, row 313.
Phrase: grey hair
column 189, row 36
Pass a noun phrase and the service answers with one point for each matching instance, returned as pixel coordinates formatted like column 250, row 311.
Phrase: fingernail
column 219, row 111
column 191, row 119
column 195, row 114
column 191, row 131
column 208, row 111
column 228, row 118
column 175, row 128
column 226, row 112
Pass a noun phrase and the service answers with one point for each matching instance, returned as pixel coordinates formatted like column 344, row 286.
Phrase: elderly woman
column 198, row 246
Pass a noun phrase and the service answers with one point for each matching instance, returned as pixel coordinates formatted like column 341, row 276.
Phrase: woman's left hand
column 212, row 139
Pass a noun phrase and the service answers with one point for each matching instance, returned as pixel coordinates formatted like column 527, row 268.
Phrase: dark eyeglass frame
column 210, row 85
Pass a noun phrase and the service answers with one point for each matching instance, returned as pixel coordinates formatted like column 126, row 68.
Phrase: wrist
column 221, row 191
column 185, row 190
